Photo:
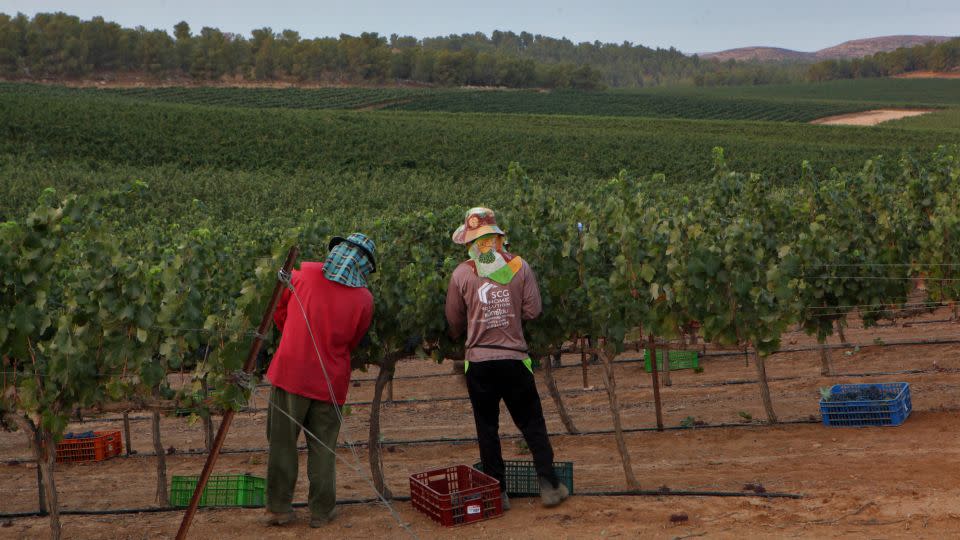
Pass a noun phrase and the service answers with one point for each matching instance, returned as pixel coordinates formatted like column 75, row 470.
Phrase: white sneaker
column 552, row 496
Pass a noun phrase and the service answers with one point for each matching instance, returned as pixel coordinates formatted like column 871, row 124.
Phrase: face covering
column 347, row 265
column 491, row 262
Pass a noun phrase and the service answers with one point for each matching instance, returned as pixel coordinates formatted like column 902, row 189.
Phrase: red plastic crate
column 103, row 445
column 456, row 495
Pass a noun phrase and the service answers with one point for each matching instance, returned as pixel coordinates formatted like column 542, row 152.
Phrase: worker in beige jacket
column 489, row 297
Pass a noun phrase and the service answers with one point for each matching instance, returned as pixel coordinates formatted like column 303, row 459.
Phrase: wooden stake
column 666, row 379
column 162, row 498
column 656, row 385
column 584, row 343
column 38, row 443
column 826, row 369
column 760, row 362
column 840, row 333
column 206, row 420
column 128, row 446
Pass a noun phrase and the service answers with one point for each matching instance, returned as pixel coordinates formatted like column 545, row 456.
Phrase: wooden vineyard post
column 665, row 374
column 248, row 366
column 826, row 369
column 44, row 454
column 126, row 434
column 162, row 498
column 760, row 362
column 584, row 342
column 610, row 382
column 654, row 374
column 557, row 398
column 207, row 419
column 40, row 495
column 840, row 332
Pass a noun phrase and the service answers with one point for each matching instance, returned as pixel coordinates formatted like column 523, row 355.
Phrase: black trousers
column 489, row 382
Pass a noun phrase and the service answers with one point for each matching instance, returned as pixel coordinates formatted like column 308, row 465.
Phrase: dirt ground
column 869, row 118
column 856, row 482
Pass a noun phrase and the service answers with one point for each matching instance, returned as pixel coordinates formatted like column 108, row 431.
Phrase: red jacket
column 339, row 317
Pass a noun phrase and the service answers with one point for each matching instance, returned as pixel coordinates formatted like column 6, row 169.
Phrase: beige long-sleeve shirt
column 492, row 313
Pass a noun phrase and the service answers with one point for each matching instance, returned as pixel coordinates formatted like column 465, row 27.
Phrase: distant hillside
column 857, row 48
column 760, row 54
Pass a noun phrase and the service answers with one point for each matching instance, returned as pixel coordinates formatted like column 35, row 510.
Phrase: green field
column 945, row 120
column 632, row 103
column 793, row 103
column 259, row 98
column 241, row 161
column 914, row 92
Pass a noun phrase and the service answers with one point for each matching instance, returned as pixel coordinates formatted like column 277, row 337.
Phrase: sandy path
column 929, row 75
column 869, row 118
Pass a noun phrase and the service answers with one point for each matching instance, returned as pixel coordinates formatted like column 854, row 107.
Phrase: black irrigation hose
column 160, row 509
column 404, row 498
column 687, row 493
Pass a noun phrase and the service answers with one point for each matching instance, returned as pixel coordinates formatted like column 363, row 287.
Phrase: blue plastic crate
column 889, row 405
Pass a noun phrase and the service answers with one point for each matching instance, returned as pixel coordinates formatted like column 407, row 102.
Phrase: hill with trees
column 856, row 48
column 58, row 46
column 936, row 57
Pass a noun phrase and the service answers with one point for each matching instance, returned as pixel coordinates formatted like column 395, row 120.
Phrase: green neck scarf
column 496, row 265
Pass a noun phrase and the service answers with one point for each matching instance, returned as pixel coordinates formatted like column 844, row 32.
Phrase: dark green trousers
column 319, row 418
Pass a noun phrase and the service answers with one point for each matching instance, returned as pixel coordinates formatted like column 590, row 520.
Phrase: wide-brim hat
column 362, row 243
column 477, row 222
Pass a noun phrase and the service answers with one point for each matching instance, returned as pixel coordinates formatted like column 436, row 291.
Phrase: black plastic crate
column 521, row 476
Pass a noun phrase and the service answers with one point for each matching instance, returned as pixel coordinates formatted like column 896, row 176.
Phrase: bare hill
column 849, row 49
column 865, row 47
column 760, row 54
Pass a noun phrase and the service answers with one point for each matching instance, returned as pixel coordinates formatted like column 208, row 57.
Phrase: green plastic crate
column 221, row 490
column 521, row 476
column 678, row 360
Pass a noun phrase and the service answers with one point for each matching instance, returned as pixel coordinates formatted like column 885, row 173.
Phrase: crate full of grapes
column 859, row 405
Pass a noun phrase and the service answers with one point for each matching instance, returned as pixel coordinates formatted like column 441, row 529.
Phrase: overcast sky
column 689, row 25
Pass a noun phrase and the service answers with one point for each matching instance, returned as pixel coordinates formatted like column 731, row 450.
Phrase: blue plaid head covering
column 351, row 260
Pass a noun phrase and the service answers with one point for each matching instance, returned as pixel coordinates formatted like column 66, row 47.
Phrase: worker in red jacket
column 489, row 297
column 322, row 320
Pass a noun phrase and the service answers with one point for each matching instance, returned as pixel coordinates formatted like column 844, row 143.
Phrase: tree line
column 62, row 46
column 939, row 57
